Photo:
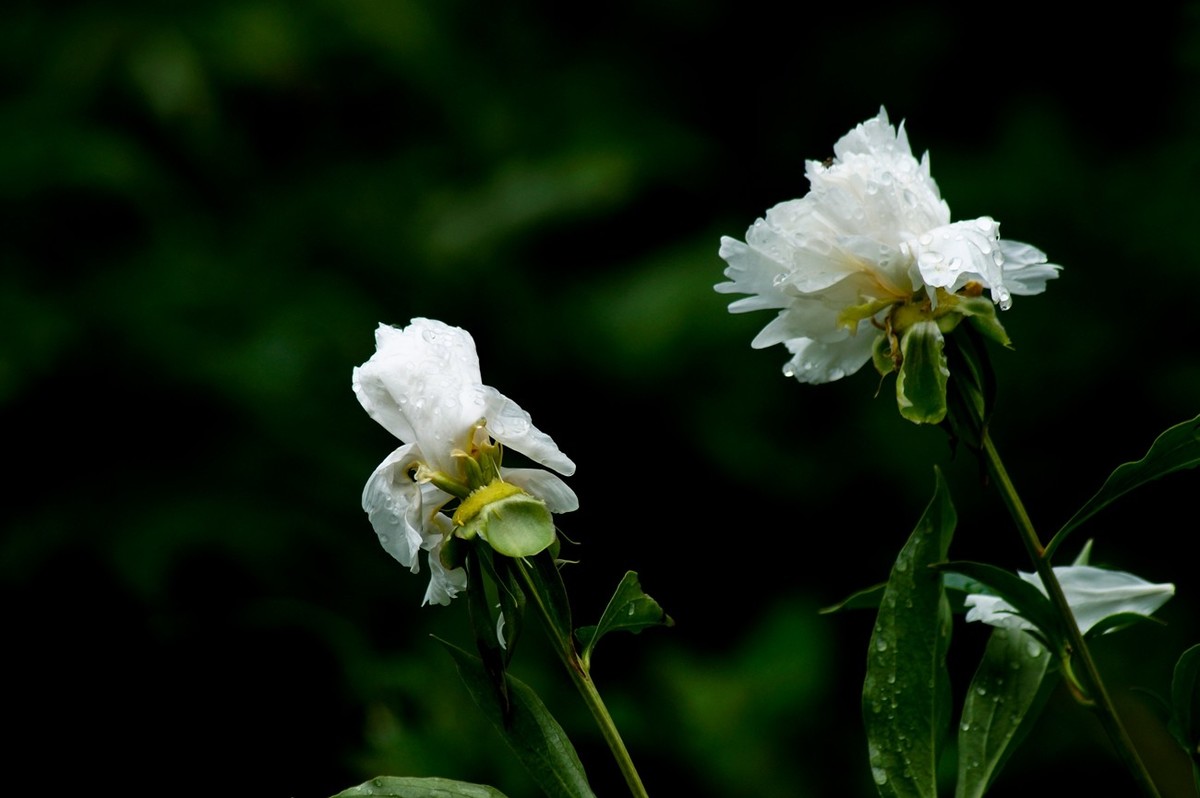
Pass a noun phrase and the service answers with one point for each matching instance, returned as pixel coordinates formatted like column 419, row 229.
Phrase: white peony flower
column 424, row 386
column 1092, row 593
column 873, row 234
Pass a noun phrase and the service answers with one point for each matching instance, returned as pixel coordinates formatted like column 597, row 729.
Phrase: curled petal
column 400, row 510
column 546, row 486
column 423, row 385
column 444, row 583
column 950, row 255
column 512, row 426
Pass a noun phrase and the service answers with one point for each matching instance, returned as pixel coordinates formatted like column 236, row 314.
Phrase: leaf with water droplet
column 1006, row 696
column 629, row 609
column 407, row 787
column 907, row 657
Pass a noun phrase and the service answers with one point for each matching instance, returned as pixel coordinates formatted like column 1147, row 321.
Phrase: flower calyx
column 911, row 344
column 514, row 523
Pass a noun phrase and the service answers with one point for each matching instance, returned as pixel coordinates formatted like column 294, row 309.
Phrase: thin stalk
column 586, row 687
column 1103, row 705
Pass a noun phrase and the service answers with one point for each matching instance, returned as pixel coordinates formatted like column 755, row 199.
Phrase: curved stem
column 584, row 684
column 1104, row 706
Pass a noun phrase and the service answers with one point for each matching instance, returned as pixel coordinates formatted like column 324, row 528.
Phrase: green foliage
column 1174, row 450
column 528, row 728
column 629, row 609
column 906, row 694
column 1185, row 714
column 1005, row 698
column 401, row 787
column 1029, row 602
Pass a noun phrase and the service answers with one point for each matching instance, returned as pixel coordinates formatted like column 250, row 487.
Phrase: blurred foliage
column 207, row 208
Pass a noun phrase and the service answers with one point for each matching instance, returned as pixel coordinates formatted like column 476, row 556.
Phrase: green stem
column 586, row 687
column 1104, row 706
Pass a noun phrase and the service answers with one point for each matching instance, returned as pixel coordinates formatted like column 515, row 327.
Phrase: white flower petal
column 873, row 221
column 1025, row 268
column 513, row 427
column 949, row 255
column 444, row 584
column 400, row 509
column 544, row 485
column 423, row 385
column 1096, row 593
column 818, row 362
column 1092, row 593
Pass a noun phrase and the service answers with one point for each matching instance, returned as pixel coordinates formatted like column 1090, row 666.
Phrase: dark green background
column 206, row 208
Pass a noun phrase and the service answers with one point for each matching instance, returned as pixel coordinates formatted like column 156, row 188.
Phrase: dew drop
column 881, row 644
column 980, row 691
column 965, row 726
column 926, row 239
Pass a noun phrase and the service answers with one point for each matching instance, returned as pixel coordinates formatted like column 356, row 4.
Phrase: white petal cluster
column 1092, row 593
column 424, row 386
column 873, row 231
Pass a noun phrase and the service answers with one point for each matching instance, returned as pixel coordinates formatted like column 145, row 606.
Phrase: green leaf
column 1183, row 702
column 629, row 609
column 921, row 381
column 906, row 694
column 972, row 391
column 1006, row 696
column 1119, row 621
column 550, row 592
column 530, row 730
column 483, row 623
column 958, row 587
column 866, row 599
column 1029, row 602
column 1176, row 449
column 404, row 787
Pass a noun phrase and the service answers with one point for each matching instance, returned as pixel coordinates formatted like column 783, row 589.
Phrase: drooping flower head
column 868, row 256
column 423, row 385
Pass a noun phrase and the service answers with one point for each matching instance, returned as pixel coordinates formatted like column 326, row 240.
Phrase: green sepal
column 881, row 355
column 629, row 609
column 513, row 523
column 906, row 694
column 408, row 787
column 533, row 734
column 1006, row 696
column 982, row 314
column 921, row 381
column 1174, row 450
column 851, row 316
